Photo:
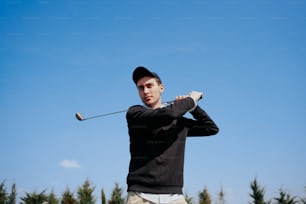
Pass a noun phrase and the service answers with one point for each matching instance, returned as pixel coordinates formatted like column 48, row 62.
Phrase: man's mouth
column 148, row 98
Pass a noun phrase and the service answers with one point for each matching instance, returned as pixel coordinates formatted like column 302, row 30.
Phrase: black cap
column 140, row 72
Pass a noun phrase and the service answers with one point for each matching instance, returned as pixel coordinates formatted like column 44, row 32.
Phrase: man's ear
column 161, row 88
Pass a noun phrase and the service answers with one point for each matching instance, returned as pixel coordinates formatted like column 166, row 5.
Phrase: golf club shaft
column 105, row 114
column 81, row 118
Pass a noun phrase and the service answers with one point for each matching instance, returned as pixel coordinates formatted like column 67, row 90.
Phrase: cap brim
column 140, row 72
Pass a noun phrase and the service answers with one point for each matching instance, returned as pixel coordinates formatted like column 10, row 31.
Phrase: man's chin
column 148, row 103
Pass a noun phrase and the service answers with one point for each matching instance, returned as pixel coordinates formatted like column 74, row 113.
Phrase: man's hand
column 196, row 95
column 181, row 97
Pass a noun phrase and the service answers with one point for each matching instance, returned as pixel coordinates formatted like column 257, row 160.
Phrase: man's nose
column 145, row 90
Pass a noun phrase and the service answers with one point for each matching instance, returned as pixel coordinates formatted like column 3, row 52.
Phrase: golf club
column 81, row 118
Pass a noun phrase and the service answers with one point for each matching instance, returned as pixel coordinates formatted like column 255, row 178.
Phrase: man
column 157, row 140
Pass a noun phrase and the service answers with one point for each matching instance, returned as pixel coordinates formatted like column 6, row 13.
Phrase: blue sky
column 62, row 57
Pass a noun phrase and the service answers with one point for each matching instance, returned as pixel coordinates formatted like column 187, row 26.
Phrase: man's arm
column 142, row 115
column 203, row 125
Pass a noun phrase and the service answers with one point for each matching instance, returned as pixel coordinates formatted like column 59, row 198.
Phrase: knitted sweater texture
column 157, row 145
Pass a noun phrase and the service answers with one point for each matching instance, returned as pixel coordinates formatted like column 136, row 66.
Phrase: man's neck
column 157, row 105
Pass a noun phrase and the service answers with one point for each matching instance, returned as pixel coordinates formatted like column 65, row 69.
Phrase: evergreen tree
column 103, row 197
column 221, row 199
column 258, row 193
column 85, row 193
column 204, row 197
column 285, row 198
column 3, row 193
column 34, row 198
column 116, row 197
column 188, row 199
column 52, row 199
column 68, row 197
column 12, row 197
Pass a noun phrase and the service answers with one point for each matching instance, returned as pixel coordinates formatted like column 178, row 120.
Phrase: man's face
column 149, row 91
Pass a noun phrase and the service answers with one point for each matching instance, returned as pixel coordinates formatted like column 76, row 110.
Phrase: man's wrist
column 195, row 105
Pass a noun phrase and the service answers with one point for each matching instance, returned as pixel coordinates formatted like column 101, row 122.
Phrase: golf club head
column 79, row 116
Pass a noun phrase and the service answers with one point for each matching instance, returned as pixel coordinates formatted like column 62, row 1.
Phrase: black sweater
column 157, row 145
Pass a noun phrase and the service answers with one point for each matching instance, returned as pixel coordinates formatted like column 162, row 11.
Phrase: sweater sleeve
column 145, row 116
column 203, row 125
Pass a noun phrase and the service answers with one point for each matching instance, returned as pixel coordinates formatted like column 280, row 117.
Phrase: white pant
column 134, row 198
